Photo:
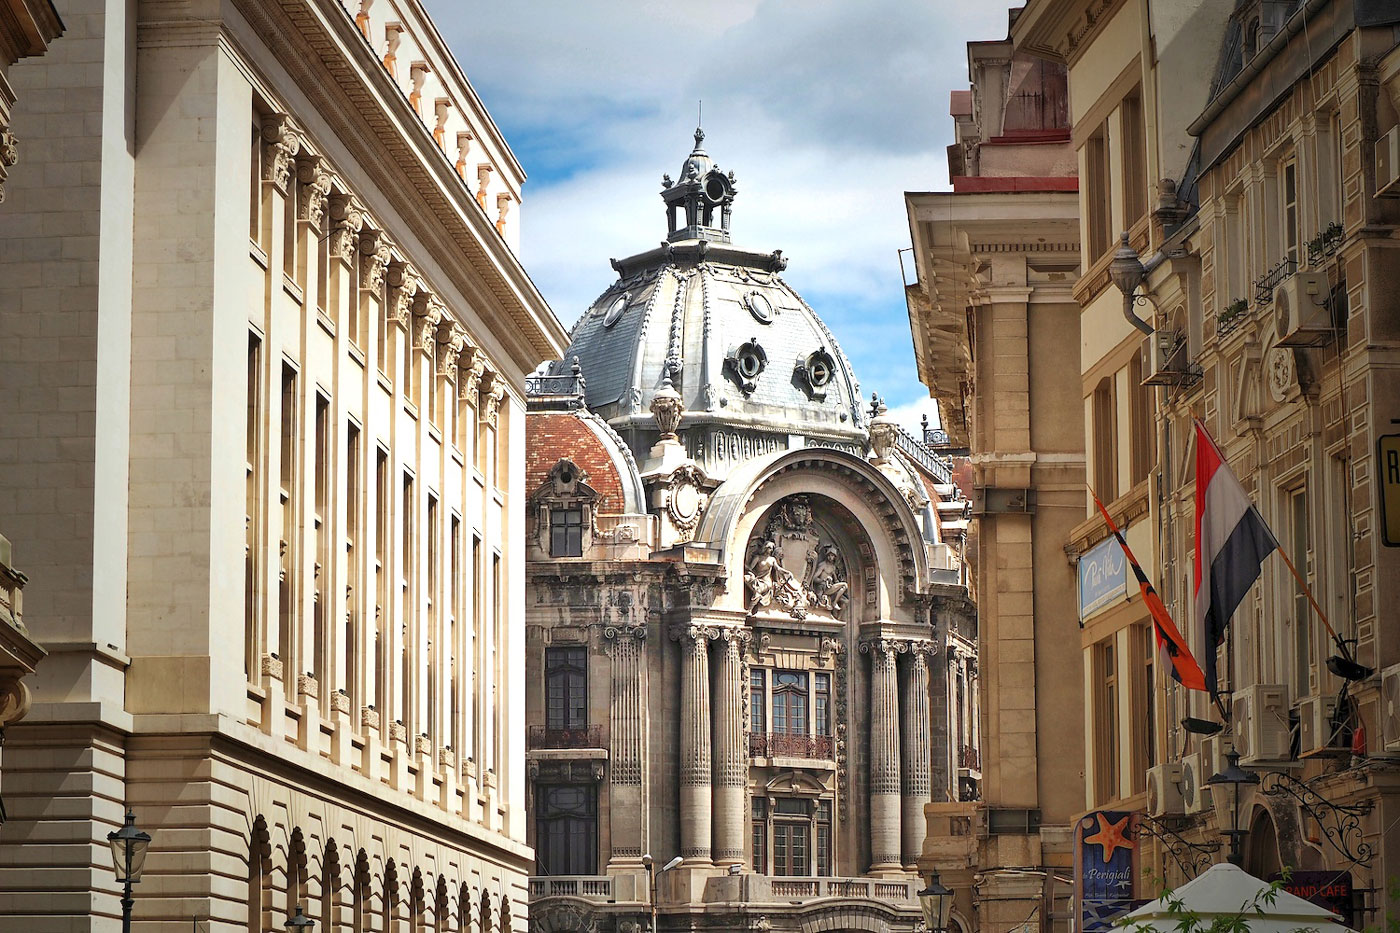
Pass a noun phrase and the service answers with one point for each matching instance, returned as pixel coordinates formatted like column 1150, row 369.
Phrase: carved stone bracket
column 451, row 338
column 347, row 217
column 281, row 143
column 428, row 313
column 403, row 290
column 493, row 391
column 375, row 250
column 316, row 186
column 471, row 366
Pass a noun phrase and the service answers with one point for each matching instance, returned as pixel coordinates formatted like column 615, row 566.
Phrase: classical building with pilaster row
column 749, row 638
column 262, row 338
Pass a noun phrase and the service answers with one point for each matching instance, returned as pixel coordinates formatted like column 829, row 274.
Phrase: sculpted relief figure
column 827, row 589
column 768, row 581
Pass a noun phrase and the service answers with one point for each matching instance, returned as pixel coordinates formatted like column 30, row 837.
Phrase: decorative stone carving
column 814, row 373
column 792, row 568
column 307, row 686
column 272, row 666
column 471, row 365
column 451, row 339
column 768, row 582
column 281, row 143
column 9, row 155
column 369, row 717
column 1282, row 370
column 883, row 430
column 491, row 396
column 316, row 186
column 347, row 217
column 666, row 408
column 483, row 181
column 827, row 582
column 428, row 313
column 403, row 290
column 464, row 148
column 15, row 701
column 375, row 247
column 745, row 363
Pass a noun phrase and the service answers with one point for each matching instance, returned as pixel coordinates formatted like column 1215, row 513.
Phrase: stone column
column 884, row 756
column 731, row 770
column 695, row 774
column 627, row 751
column 916, row 774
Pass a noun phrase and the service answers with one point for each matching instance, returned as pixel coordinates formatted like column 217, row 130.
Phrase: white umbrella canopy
column 1226, row 891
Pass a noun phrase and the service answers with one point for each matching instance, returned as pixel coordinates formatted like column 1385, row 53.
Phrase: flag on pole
column 1232, row 540
column 1184, row 668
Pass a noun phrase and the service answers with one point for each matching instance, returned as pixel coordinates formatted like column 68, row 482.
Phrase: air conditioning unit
column 1259, row 716
column 1302, row 312
column 1164, row 790
column 1388, row 164
column 1163, row 358
column 1195, row 796
column 1390, row 708
column 1316, row 731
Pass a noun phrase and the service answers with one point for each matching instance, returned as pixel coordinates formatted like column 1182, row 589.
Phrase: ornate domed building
column 749, row 634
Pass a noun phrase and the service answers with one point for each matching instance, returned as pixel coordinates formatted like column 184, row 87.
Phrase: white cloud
column 826, row 110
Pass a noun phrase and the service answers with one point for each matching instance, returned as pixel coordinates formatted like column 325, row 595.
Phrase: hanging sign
column 1103, row 576
column 1388, row 466
column 1330, row 890
column 1105, row 867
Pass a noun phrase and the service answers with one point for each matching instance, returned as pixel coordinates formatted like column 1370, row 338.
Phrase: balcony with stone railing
column 588, row 887
column 782, row 745
column 896, row 893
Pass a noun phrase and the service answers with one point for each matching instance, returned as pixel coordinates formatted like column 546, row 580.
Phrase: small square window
column 566, row 532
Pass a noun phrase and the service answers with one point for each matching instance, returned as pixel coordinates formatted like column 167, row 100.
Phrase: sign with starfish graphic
column 1105, row 867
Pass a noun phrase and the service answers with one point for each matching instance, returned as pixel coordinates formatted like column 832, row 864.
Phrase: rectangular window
column 354, row 519
column 1106, row 720
column 322, row 246
column 407, row 683
column 289, row 230
column 1134, row 160
column 478, row 674
column 382, row 507
column 822, row 706
column 466, row 426
column 566, row 532
column 255, row 193
column 1142, row 424
column 824, row 838
column 497, row 597
column 454, row 635
column 1290, row 209
column 431, row 666
column 1140, row 739
column 1105, row 420
column 321, row 569
column 566, row 688
column 287, row 480
column 758, row 843
column 252, row 519
column 566, row 829
column 758, row 701
column 792, row 834
column 1298, row 547
column 790, row 702
column 1096, row 194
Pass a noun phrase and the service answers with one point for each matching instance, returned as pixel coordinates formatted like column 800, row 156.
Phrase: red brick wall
column 551, row 437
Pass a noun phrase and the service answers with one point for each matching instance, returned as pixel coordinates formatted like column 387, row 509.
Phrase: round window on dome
column 614, row 312
column 759, row 306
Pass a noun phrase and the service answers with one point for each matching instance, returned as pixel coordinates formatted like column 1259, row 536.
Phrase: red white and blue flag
column 1232, row 541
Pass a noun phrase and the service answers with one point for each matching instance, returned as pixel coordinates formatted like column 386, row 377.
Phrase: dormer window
column 563, row 508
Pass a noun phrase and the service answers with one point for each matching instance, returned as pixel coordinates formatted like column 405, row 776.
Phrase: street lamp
column 299, row 922
column 652, row 874
column 1233, row 775
column 936, row 902
column 129, row 846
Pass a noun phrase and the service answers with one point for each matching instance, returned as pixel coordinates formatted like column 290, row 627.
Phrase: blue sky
column 827, row 111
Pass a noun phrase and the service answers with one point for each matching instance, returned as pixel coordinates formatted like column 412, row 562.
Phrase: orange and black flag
column 1184, row 668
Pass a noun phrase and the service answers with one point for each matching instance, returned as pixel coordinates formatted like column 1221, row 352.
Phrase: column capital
column 681, row 632
column 616, row 633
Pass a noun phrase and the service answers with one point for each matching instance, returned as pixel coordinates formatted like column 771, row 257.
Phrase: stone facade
column 745, row 633
column 261, row 329
column 996, row 332
column 26, row 29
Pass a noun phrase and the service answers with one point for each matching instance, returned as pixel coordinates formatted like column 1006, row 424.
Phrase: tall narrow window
column 454, row 635
column 792, row 835
column 382, row 505
column 1290, row 209
column 758, row 701
column 1297, row 518
column 354, row 519
column 1105, row 417
column 1106, row 725
column 252, row 519
column 287, row 481
column 322, row 246
column 478, row 673
column 824, row 838
column 758, row 841
column 255, row 193
column 1096, row 194
column 289, row 230
column 566, row 688
column 1134, row 160
column 321, row 569
column 431, row 662
column 822, row 706
column 408, row 682
column 790, row 702
column 497, row 634
column 1141, row 423
column 466, row 421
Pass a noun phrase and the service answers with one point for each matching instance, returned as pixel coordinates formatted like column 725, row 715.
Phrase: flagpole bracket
column 1191, row 857
column 1339, row 823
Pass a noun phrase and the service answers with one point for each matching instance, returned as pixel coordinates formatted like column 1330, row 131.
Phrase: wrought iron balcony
column 582, row 737
column 782, row 745
column 970, row 757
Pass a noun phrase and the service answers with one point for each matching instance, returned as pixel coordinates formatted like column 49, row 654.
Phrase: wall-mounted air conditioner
column 1302, row 313
column 1163, row 358
column 1390, row 708
column 1195, row 796
column 1164, row 790
column 1259, row 721
column 1316, row 729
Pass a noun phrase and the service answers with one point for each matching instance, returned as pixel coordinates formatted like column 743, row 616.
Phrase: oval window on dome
column 759, row 306
column 615, row 309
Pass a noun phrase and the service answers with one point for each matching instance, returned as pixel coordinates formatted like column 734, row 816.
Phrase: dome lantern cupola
column 701, row 192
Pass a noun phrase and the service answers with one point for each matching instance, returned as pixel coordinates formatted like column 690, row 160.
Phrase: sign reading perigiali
column 1105, row 868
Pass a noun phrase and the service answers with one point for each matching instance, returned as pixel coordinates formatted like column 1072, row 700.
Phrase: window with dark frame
column 792, row 834
column 566, row 687
column 759, row 836
column 566, row 829
column 790, row 703
column 758, row 701
column 821, row 710
column 566, row 532
column 824, row 838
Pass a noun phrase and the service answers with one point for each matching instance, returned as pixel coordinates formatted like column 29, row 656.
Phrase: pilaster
column 695, row 770
column 916, row 773
column 731, row 758
column 627, row 751
column 885, row 800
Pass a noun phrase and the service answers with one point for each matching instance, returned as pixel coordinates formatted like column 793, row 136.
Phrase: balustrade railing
column 795, row 888
column 582, row 737
column 781, row 745
column 572, row 886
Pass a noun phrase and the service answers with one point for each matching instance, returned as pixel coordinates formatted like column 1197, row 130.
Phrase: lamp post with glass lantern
column 129, row 846
column 936, row 902
column 299, row 922
column 1233, row 775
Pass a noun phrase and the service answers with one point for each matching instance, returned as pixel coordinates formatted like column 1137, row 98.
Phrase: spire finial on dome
column 699, row 202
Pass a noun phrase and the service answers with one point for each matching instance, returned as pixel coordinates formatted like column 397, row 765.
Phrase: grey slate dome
column 756, row 368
